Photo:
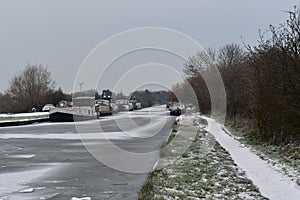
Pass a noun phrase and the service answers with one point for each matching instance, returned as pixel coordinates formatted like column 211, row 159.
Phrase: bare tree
column 230, row 54
column 29, row 88
column 232, row 66
column 275, row 65
column 262, row 83
column 120, row 95
column 200, row 62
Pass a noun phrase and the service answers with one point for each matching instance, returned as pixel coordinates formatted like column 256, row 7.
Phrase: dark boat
column 63, row 115
column 83, row 109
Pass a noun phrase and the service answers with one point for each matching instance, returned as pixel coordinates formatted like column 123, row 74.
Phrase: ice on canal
column 12, row 183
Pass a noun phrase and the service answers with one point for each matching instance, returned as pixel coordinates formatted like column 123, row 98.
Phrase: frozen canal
column 49, row 161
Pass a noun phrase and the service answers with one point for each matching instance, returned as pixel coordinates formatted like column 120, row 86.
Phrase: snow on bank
column 4, row 118
column 34, row 114
column 271, row 183
column 67, row 136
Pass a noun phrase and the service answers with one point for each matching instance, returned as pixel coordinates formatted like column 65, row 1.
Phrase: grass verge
column 204, row 170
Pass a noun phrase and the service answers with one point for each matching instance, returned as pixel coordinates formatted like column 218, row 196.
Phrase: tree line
column 261, row 82
column 150, row 98
column 33, row 87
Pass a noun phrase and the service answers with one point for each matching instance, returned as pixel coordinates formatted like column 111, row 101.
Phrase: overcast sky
column 60, row 33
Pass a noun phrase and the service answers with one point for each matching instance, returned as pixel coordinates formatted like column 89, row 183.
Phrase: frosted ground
column 215, row 166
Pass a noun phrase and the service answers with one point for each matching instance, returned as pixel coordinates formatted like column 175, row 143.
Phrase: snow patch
column 83, row 198
column 21, row 156
column 28, row 190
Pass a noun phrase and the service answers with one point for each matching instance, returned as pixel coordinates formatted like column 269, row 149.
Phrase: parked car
column 102, row 107
column 176, row 109
column 124, row 105
column 48, row 107
column 136, row 105
column 114, row 108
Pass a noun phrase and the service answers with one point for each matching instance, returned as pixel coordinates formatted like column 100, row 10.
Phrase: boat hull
column 69, row 117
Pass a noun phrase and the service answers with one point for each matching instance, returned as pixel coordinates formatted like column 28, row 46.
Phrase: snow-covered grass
column 23, row 116
column 204, row 171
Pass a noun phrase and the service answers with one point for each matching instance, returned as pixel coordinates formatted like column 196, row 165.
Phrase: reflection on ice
column 15, row 182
